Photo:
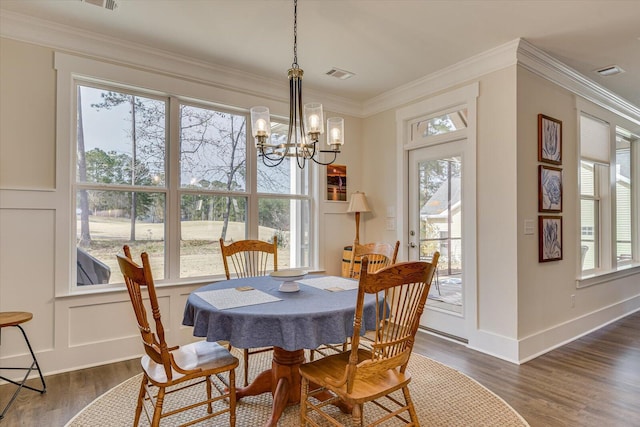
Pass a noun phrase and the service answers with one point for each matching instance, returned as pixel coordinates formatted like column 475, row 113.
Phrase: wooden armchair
column 380, row 255
column 250, row 258
column 362, row 375
column 171, row 369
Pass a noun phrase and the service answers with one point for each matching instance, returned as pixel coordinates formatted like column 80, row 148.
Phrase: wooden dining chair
column 380, row 255
column 360, row 375
column 167, row 370
column 250, row 258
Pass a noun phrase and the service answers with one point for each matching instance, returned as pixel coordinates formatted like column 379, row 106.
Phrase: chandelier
column 305, row 123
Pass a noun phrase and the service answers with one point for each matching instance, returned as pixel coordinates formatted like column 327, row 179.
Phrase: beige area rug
column 442, row 396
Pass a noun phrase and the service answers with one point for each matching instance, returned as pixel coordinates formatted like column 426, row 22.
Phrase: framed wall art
column 549, row 189
column 549, row 140
column 549, row 238
column 337, row 183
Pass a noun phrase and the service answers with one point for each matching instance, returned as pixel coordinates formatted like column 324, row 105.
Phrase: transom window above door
column 441, row 124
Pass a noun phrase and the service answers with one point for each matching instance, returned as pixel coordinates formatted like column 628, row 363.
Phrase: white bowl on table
column 288, row 278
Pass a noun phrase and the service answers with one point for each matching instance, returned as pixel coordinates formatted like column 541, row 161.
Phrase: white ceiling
column 386, row 43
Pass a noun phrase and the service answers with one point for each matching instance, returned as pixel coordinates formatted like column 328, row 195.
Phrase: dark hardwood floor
column 593, row 381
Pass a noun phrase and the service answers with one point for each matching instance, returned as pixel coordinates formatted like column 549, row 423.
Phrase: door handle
column 412, row 245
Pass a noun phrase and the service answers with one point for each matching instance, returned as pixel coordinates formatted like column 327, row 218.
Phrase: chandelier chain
column 295, row 35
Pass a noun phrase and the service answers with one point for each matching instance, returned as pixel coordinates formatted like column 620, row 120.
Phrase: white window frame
column 605, row 186
column 73, row 69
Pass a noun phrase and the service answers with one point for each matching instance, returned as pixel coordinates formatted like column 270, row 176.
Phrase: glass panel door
column 436, row 224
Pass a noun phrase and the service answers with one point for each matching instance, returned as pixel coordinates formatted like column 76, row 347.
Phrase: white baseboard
column 495, row 345
column 542, row 342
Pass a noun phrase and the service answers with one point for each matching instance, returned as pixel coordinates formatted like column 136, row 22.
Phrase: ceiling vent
column 107, row 4
column 340, row 74
column 610, row 70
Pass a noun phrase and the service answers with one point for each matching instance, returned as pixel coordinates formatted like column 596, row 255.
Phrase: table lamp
column 357, row 204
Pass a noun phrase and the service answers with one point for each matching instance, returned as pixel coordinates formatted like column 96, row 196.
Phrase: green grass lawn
column 199, row 245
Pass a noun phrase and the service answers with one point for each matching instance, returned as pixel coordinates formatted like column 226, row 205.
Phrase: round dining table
column 253, row 312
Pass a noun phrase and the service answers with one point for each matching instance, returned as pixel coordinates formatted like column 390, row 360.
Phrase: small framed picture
column 549, row 189
column 337, row 183
column 550, row 238
column 549, row 140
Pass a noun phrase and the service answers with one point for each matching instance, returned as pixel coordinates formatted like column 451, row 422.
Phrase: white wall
column 523, row 306
column 552, row 309
column 495, row 329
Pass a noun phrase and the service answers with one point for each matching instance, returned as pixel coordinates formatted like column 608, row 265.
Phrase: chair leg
column 157, row 411
column 412, row 410
column 357, row 415
column 44, row 386
column 21, row 384
column 304, row 395
column 209, row 408
column 141, row 395
column 246, row 366
column 232, row 398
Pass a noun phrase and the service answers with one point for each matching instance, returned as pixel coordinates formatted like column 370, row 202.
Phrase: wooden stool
column 15, row 318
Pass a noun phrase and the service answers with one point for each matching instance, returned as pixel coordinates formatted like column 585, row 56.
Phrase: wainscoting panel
column 94, row 323
column 27, row 276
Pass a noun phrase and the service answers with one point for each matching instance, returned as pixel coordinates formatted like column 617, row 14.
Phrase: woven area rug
column 442, row 396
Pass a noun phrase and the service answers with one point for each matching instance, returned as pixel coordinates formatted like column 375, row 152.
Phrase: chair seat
column 364, row 389
column 202, row 354
column 14, row 318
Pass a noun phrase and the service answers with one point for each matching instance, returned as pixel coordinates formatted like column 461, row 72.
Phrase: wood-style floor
column 593, row 381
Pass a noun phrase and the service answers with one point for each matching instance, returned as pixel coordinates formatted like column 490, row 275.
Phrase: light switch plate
column 529, row 227
column 391, row 224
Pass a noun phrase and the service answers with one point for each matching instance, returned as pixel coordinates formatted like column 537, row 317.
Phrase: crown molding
column 521, row 52
column 471, row 68
column 549, row 68
column 86, row 43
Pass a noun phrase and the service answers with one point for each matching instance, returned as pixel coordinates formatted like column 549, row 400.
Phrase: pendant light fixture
column 306, row 123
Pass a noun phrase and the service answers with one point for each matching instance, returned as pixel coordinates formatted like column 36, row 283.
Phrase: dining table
column 253, row 312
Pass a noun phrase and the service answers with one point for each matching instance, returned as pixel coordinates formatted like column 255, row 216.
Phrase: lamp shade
column 358, row 203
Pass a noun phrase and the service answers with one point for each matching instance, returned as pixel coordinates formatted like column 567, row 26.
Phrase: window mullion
column 172, row 255
column 606, row 215
column 635, row 200
column 252, row 186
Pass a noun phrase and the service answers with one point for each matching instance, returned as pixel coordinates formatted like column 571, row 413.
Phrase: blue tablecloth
column 303, row 319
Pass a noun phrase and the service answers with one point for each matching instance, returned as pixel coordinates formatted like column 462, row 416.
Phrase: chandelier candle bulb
column 261, row 124
column 313, row 118
column 335, row 130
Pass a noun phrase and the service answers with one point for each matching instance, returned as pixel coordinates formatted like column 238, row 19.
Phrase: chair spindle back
column 250, row 258
column 401, row 292
column 137, row 277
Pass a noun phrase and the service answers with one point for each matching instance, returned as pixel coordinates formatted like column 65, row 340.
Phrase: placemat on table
column 331, row 283
column 231, row 298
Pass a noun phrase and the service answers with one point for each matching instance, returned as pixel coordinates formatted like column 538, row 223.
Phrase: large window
column 607, row 186
column 624, row 228
column 590, row 213
column 171, row 178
